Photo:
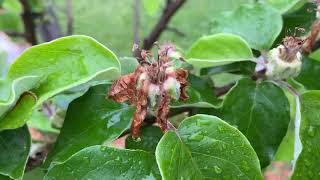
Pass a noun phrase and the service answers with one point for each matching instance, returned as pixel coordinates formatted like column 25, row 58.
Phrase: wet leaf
column 206, row 147
column 100, row 162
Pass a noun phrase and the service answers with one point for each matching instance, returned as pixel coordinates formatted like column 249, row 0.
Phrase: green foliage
column 200, row 94
column 14, row 151
column 99, row 162
column 150, row 136
column 44, row 69
column 307, row 165
column 310, row 70
column 259, row 117
column 218, row 49
column 261, row 34
column 285, row 5
column 225, row 153
column 261, row 112
column 91, row 120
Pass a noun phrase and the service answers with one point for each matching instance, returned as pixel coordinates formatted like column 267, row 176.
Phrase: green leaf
column 205, row 147
column 14, row 151
column 91, row 120
column 284, row 5
column 40, row 121
column 75, row 62
column 150, row 136
column 17, row 116
column 152, row 6
column 100, row 162
column 285, row 152
column 301, row 18
column 218, row 49
column 34, row 174
column 307, row 165
column 261, row 111
column 309, row 72
column 315, row 55
column 128, row 65
column 200, row 93
column 258, row 24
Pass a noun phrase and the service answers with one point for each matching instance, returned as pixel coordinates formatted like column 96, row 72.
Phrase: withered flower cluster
column 153, row 84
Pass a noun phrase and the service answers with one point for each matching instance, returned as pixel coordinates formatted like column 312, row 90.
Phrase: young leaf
column 200, row 94
column 100, row 162
column 309, row 71
column 91, row 120
column 65, row 63
column 128, row 65
column 150, row 136
column 261, row 111
column 284, row 5
column 206, row 147
column 14, row 151
column 258, row 24
column 218, row 49
column 307, row 165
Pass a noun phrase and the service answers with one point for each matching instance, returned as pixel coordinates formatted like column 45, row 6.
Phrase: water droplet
column 310, row 173
column 206, row 167
column 245, row 166
column 204, row 122
column 196, row 137
column 311, row 131
column 220, row 129
column 231, row 152
column 223, row 146
column 103, row 148
column 307, row 162
column 138, row 139
column 86, row 159
column 217, row 169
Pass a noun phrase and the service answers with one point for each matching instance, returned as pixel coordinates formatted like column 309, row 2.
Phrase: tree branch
column 136, row 21
column 14, row 33
column 28, row 22
column 69, row 17
column 168, row 12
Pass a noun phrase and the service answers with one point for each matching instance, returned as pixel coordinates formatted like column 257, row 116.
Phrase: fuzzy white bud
column 172, row 86
column 278, row 68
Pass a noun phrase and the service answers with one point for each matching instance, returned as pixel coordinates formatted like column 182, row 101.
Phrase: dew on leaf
column 311, row 131
column 103, row 148
column 217, row 169
column 196, row 137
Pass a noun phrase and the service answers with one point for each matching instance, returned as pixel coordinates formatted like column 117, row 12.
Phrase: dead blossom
column 152, row 86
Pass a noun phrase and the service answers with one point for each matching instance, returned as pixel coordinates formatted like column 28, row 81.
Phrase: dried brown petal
column 292, row 45
column 162, row 111
column 182, row 76
column 124, row 88
column 142, row 106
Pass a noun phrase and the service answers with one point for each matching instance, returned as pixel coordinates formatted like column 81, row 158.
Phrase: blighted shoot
column 154, row 83
column 284, row 61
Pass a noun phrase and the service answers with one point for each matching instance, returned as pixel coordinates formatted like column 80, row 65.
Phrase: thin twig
column 15, row 34
column 28, row 22
column 69, row 17
column 168, row 12
column 136, row 21
column 175, row 30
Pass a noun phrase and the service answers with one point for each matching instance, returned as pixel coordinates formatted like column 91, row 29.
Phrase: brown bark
column 28, row 22
column 168, row 12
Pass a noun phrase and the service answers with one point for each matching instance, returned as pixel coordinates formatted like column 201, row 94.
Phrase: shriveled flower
column 284, row 61
column 152, row 86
